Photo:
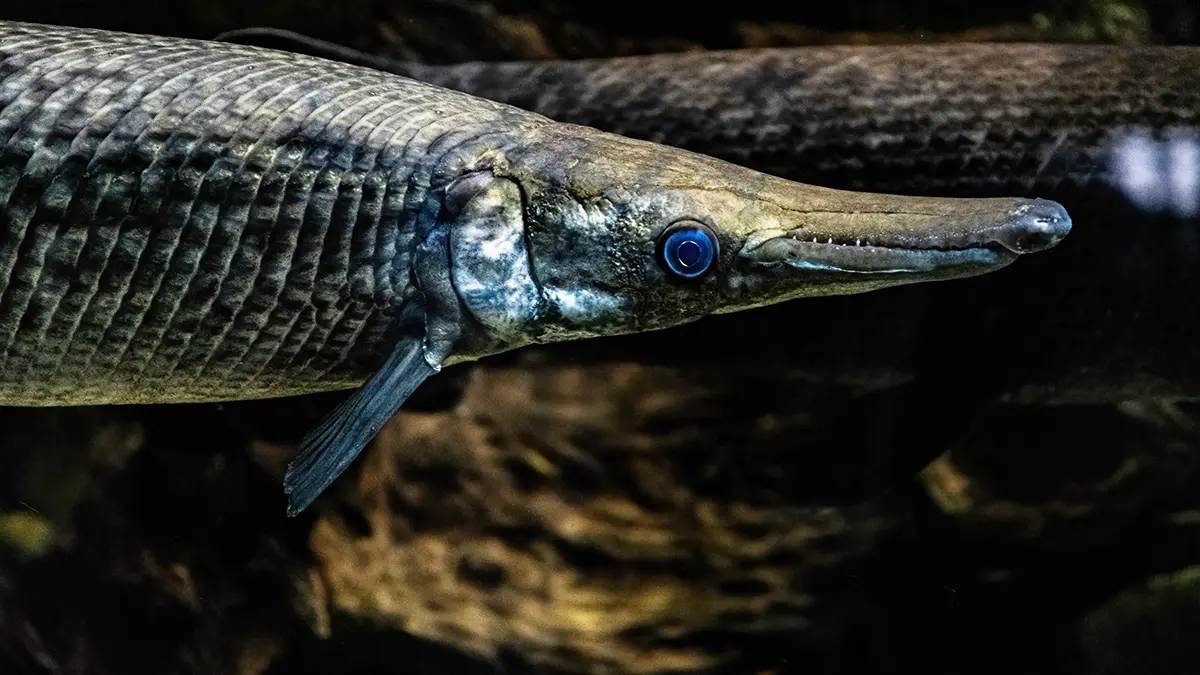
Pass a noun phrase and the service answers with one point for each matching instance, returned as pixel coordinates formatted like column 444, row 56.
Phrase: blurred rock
column 446, row 31
column 605, row 519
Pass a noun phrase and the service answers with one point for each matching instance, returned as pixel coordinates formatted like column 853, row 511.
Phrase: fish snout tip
column 1036, row 226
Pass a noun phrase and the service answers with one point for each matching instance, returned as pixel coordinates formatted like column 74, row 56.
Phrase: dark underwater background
column 738, row 513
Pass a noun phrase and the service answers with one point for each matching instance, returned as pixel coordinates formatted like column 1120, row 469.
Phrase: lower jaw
column 881, row 260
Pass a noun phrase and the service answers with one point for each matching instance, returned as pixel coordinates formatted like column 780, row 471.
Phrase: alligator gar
column 198, row 221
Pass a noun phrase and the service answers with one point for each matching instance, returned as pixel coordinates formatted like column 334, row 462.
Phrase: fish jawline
column 877, row 259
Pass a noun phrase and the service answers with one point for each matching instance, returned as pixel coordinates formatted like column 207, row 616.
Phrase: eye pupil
column 689, row 253
column 688, row 248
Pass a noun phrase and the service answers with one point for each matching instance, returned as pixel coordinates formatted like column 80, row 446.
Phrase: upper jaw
column 1032, row 225
column 798, row 249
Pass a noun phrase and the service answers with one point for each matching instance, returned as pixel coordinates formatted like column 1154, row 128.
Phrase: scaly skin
column 1102, row 318
column 190, row 221
column 1099, row 319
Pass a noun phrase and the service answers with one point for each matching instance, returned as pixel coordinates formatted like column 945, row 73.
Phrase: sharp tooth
column 858, row 242
column 814, row 240
column 830, row 240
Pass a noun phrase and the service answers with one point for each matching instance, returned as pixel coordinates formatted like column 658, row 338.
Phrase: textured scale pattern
column 949, row 119
column 1099, row 316
column 214, row 220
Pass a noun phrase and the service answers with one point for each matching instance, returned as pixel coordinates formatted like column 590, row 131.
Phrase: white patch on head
column 498, row 248
column 490, row 269
column 583, row 305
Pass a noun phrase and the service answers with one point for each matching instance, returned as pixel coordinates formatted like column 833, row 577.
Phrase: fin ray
column 327, row 450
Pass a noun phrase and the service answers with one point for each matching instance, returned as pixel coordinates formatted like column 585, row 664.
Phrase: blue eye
column 688, row 248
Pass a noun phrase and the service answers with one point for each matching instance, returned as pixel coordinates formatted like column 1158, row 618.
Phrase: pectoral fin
column 483, row 213
column 327, row 450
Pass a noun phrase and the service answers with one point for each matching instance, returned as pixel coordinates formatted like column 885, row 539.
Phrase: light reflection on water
column 1159, row 174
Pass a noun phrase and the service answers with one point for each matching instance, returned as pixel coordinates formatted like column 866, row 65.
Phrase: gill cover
column 489, row 262
column 469, row 252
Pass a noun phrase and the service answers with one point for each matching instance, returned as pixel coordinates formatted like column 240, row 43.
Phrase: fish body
column 196, row 221
column 1109, row 131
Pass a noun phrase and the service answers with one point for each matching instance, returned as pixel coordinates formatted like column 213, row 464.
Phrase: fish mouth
column 805, row 251
column 1034, row 226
